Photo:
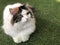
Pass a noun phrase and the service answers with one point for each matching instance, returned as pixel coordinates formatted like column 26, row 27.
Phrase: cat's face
column 26, row 15
column 21, row 14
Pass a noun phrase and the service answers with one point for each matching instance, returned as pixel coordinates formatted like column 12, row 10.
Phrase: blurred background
column 47, row 16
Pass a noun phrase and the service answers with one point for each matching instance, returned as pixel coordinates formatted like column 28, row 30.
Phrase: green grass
column 47, row 23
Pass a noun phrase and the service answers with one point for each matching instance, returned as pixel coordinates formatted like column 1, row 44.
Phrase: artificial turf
column 47, row 16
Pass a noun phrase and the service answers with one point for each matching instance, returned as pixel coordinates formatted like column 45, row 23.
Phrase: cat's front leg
column 17, row 39
column 24, row 37
column 21, row 38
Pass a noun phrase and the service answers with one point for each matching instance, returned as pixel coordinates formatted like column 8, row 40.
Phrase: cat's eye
column 19, row 15
column 28, row 13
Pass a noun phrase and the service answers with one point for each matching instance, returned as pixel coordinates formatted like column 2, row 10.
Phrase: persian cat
column 18, row 21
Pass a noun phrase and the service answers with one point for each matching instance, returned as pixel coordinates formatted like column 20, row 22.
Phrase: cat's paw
column 17, row 40
column 25, row 38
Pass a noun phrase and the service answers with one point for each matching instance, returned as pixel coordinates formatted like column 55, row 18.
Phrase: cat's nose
column 26, row 17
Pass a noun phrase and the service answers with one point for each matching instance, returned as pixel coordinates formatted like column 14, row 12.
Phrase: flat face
column 20, row 14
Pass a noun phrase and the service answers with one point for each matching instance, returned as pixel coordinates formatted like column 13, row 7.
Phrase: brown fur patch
column 14, row 10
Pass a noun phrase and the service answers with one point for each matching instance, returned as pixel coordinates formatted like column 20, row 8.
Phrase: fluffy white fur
column 21, row 31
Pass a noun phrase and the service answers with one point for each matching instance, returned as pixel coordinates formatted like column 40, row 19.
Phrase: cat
column 18, row 21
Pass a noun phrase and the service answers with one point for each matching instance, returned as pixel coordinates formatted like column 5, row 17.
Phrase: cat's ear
column 13, row 10
column 29, row 7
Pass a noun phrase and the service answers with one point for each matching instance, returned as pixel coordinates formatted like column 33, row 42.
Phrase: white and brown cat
column 18, row 21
